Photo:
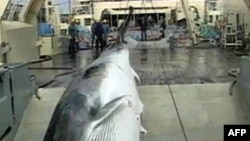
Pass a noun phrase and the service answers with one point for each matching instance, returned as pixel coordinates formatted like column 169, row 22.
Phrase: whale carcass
column 102, row 104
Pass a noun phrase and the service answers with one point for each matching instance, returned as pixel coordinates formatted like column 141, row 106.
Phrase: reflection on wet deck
column 183, row 65
column 159, row 65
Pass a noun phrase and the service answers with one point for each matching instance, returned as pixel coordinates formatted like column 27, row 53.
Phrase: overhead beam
column 3, row 6
column 31, row 10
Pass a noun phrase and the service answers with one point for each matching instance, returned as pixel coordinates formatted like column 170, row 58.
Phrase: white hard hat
column 104, row 21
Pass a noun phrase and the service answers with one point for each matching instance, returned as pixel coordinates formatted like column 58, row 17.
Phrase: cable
column 124, row 26
column 175, row 104
column 127, row 4
column 241, row 53
column 156, row 17
column 71, row 70
column 54, row 79
column 178, row 113
column 51, row 68
column 174, row 101
column 234, row 73
column 44, row 59
column 196, row 11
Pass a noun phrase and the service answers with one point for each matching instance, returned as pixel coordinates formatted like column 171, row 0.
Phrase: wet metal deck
column 159, row 66
column 183, row 65
column 195, row 112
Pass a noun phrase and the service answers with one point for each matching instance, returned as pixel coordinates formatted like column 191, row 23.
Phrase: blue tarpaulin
column 84, row 31
column 45, row 29
column 207, row 31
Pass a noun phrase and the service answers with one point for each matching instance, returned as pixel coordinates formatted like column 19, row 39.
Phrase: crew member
column 144, row 29
column 106, row 31
column 220, row 25
column 98, row 31
column 72, row 31
column 163, row 27
column 92, row 33
column 78, row 27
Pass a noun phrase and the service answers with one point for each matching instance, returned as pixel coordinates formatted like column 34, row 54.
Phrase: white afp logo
column 237, row 132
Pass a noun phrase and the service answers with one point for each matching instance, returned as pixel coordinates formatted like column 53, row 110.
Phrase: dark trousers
column 77, row 45
column 99, row 44
column 143, row 35
column 104, row 43
column 93, row 40
column 163, row 33
column 72, row 47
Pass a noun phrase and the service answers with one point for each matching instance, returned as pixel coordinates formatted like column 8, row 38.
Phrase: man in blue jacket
column 99, row 32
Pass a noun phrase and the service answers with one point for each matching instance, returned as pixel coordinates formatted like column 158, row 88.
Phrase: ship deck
column 189, row 112
column 185, row 92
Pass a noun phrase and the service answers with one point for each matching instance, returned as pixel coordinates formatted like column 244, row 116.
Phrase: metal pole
column 190, row 20
column 206, row 4
column 111, row 20
column 70, row 9
column 92, row 9
column 134, row 20
column 117, row 19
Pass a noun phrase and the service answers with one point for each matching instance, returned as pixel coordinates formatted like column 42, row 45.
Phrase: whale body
column 101, row 104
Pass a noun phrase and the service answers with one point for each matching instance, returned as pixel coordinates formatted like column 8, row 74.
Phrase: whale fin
column 108, row 109
column 136, row 75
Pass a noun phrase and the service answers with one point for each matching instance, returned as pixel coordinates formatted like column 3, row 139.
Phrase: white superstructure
column 86, row 10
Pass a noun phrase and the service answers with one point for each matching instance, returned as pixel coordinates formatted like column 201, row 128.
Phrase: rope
column 234, row 73
column 154, row 9
column 127, row 5
column 140, row 10
column 156, row 17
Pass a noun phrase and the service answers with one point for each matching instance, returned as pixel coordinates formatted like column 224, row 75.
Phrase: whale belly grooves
column 119, row 126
